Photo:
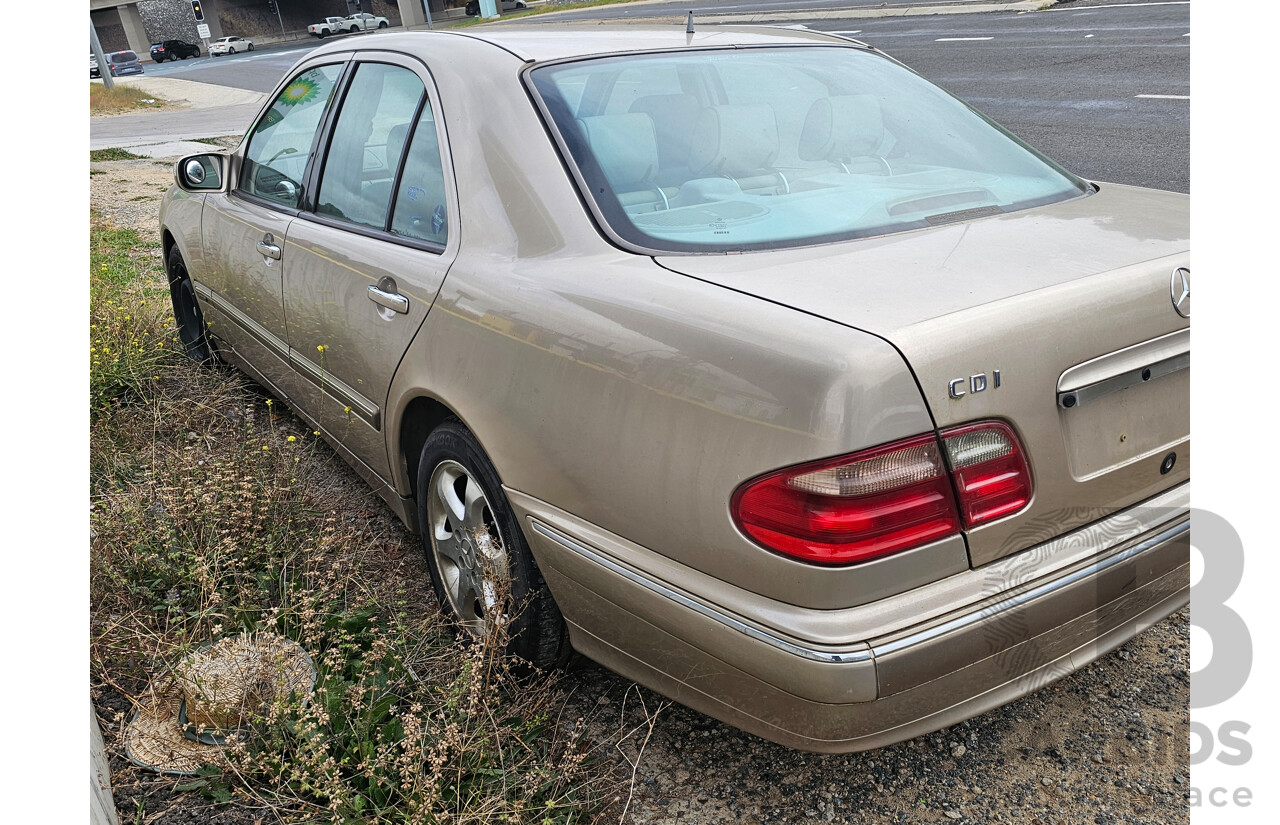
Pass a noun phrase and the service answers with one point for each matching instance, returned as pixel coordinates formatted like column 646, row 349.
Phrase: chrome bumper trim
column 676, row 596
column 1034, row 593
column 868, row 654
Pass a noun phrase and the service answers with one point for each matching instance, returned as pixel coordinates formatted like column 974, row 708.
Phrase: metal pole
column 104, row 68
column 426, row 6
column 279, row 18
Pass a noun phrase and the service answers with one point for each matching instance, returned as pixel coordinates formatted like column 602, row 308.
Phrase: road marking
column 1088, row 35
column 859, row 31
column 1166, row 97
column 959, row 39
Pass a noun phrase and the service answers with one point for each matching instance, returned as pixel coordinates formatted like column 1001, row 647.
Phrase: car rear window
column 736, row 149
column 123, row 57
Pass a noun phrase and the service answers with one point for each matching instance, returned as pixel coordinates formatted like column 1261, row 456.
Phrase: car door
column 368, row 258
column 244, row 229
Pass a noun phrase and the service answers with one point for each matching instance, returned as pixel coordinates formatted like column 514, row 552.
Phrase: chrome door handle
column 269, row 250
column 392, row 301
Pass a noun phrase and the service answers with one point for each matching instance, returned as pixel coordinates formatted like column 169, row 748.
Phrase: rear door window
column 420, row 205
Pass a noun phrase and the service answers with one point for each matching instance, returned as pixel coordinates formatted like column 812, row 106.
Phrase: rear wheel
column 231, row 51
column 186, row 311
column 481, row 567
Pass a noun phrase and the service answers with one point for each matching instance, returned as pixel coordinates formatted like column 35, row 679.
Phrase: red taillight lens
column 853, row 508
column 888, row 499
column 990, row 472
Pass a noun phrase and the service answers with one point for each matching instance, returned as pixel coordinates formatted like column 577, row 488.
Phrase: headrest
column 843, row 127
column 734, row 140
column 395, row 142
column 625, row 146
column 673, row 118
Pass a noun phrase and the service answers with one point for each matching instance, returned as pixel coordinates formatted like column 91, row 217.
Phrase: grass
column 118, row 100
column 114, row 153
column 214, row 511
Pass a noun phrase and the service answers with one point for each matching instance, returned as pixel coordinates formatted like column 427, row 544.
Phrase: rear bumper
column 865, row 677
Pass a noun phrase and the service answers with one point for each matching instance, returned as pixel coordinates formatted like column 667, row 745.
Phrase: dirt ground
column 1106, row 745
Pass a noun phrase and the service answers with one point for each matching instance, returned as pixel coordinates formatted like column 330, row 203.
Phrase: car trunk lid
column 1004, row 318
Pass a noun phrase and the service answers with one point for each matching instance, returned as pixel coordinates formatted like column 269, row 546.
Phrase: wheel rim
column 466, row 545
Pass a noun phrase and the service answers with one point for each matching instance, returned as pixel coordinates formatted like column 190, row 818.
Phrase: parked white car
column 230, row 45
column 365, row 21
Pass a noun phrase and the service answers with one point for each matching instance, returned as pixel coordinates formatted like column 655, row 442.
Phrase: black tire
column 250, row 47
column 322, row 34
column 538, row 633
column 382, row 24
column 231, row 51
column 186, row 311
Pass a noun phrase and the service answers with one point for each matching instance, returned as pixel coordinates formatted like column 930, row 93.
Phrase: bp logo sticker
column 299, row 91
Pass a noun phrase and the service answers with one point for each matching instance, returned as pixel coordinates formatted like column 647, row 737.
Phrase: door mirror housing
column 201, row 173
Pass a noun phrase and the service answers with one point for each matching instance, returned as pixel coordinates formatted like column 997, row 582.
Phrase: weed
column 214, row 512
column 114, row 153
column 104, row 101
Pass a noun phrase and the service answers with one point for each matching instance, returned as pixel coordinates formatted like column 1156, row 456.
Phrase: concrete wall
column 172, row 19
column 111, row 30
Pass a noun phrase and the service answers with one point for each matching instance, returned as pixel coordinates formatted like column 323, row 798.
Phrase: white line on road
column 1166, row 97
column 958, row 39
column 859, row 31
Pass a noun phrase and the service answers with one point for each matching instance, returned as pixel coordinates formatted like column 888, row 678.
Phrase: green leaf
column 191, row 786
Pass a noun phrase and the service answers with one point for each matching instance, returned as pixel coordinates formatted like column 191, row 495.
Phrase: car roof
column 550, row 42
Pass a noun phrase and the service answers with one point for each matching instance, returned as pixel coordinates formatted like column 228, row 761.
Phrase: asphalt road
column 1102, row 88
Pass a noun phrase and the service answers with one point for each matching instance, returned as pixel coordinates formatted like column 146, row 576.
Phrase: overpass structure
column 136, row 24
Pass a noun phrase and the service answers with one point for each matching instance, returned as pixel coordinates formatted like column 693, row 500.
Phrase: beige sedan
column 752, row 365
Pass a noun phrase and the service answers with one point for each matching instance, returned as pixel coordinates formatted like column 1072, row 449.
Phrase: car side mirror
column 201, row 173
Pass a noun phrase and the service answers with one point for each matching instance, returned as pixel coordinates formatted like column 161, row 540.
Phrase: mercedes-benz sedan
column 754, row 366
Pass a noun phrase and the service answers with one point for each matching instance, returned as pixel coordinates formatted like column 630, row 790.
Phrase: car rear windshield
column 123, row 57
column 765, row 148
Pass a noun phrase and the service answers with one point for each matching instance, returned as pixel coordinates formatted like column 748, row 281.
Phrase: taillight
column 853, row 508
column 888, row 499
column 990, row 472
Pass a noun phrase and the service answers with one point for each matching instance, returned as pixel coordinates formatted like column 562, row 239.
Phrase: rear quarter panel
column 628, row 395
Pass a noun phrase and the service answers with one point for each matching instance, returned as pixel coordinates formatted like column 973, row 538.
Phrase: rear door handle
column 269, row 250
column 393, row 301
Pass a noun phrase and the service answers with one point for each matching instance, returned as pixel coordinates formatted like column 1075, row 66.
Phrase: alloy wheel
column 467, row 546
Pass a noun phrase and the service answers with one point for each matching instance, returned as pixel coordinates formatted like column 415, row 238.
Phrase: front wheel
column 482, row 570
column 186, row 311
column 250, row 47
column 382, row 24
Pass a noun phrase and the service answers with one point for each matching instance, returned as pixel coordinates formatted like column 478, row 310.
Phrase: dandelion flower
column 291, row 438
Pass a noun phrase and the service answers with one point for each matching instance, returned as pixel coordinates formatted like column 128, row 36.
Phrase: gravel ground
column 1106, row 745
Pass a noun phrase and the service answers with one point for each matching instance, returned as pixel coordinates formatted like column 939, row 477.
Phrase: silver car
column 749, row 363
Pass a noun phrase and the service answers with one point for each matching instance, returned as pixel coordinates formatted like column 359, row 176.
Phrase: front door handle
column 269, row 250
column 393, row 301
